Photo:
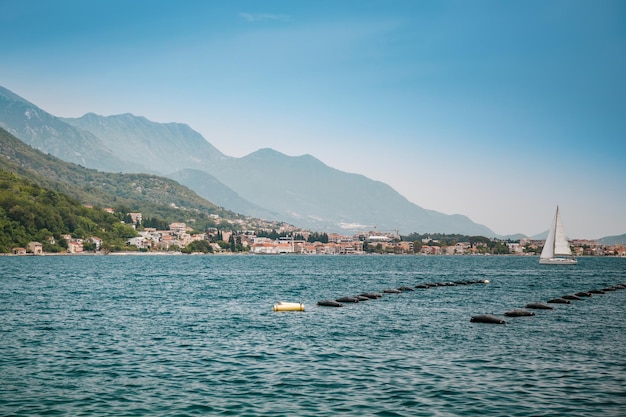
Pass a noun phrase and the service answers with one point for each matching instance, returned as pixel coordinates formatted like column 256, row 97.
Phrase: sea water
column 196, row 335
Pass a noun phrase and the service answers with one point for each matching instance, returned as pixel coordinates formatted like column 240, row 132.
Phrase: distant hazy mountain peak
column 51, row 134
column 264, row 153
column 164, row 147
column 269, row 155
column 127, row 117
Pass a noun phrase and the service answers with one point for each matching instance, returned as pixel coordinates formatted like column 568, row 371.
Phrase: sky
column 497, row 110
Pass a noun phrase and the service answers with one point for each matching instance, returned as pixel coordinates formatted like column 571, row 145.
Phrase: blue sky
column 499, row 110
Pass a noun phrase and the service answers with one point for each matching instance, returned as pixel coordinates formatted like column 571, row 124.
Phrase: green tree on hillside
column 30, row 213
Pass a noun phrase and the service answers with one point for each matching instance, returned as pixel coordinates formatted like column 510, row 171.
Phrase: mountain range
column 300, row 190
column 155, row 196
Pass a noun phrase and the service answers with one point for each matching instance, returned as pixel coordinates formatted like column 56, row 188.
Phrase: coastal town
column 277, row 239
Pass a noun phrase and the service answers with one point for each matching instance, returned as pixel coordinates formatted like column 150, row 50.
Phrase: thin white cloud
column 263, row 17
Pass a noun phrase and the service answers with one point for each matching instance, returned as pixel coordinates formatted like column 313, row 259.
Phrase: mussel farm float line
column 481, row 318
column 338, row 302
column 565, row 299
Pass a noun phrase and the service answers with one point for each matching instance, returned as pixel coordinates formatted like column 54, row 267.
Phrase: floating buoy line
column 480, row 318
column 564, row 299
column 338, row 302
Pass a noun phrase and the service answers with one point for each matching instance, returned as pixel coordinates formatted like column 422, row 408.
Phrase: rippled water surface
column 196, row 335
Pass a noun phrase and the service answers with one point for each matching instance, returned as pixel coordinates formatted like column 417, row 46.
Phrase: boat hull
column 558, row 261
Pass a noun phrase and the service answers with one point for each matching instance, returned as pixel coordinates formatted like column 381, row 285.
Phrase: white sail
column 556, row 250
column 561, row 244
column 548, row 247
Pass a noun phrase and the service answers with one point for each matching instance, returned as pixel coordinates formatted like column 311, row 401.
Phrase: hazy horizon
column 499, row 111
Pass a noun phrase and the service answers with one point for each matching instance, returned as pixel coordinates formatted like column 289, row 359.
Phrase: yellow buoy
column 282, row 306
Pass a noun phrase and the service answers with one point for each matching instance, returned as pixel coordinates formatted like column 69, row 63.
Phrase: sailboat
column 556, row 250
